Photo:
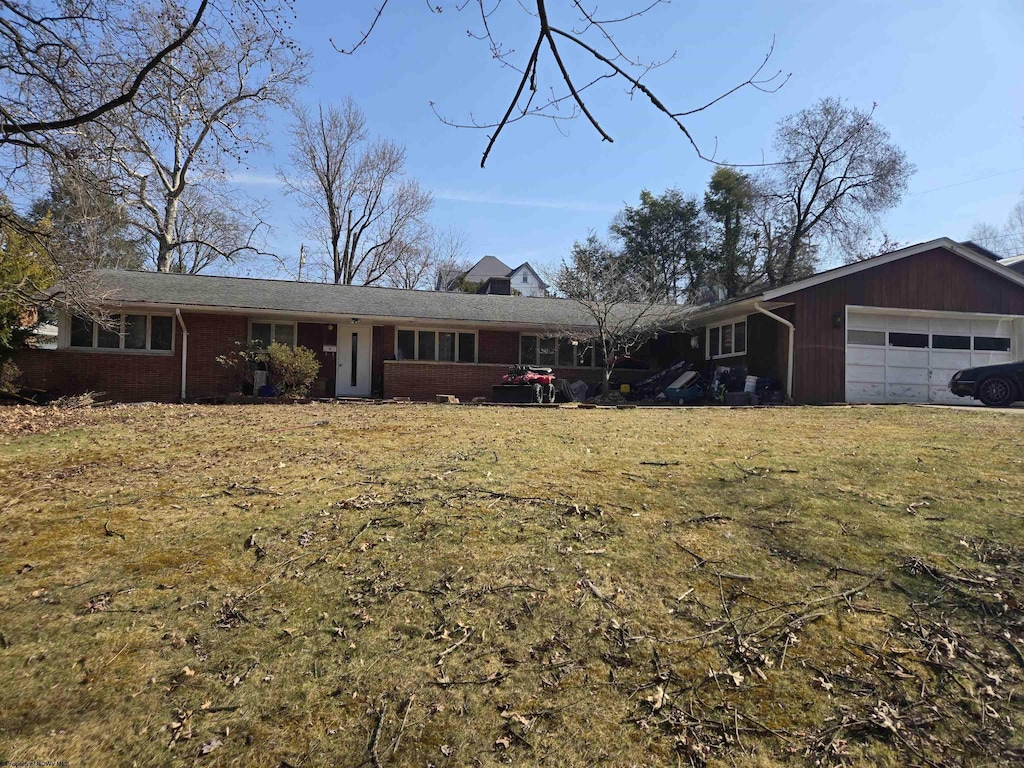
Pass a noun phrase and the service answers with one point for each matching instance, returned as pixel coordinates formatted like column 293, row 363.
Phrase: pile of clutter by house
column 679, row 384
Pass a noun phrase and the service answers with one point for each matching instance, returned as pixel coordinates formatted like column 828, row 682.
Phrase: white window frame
column 728, row 324
column 416, row 345
column 120, row 349
column 575, row 354
column 273, row 332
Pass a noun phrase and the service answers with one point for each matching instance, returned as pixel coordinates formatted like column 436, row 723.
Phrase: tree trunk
column 166, row 239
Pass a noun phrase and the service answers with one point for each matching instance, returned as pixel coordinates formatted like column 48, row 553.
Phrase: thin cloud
column 255, row 179
column 558, row 205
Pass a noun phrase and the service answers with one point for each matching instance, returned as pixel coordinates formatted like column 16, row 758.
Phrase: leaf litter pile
column 447, row 586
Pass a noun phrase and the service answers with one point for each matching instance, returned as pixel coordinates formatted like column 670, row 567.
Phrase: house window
column 526, row 277
column 441, row 346
column 527, row 349
column 406, row 347
column 267, row 333
column 550, row 352
column 467, row 348
column 727, row 339
column 132, row 333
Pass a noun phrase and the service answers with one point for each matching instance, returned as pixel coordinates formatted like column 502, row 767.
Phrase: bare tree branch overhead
column 202, row 109
column 27, row 31
column 548, row 68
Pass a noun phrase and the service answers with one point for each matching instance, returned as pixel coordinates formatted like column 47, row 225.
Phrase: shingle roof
column 127, row 287
column 488, row 266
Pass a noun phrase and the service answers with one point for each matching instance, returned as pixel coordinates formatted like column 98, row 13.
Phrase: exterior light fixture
column 355, row 320
column 837, row 320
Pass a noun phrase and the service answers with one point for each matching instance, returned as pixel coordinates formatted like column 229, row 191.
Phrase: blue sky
column 947, row 77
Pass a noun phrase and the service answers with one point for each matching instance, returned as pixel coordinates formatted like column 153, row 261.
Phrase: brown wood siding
column 934, row 280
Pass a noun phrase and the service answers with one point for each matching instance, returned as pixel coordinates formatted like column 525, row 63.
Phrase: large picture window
column 727, row 339
column 552, row 352
column 132, row 333
column 441, row 346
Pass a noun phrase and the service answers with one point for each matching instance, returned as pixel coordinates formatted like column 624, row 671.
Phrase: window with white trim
column 727, row 339
column 443, row 346
column 125, row 333
column 268, row 332
column 553, row 352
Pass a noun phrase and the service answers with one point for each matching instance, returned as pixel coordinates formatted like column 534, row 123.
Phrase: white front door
column 906, row 357
column 353, row 375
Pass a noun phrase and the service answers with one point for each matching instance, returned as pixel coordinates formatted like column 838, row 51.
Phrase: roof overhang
column 777, row 297
column 324, row 317
column 734, row 309
column 861, row 266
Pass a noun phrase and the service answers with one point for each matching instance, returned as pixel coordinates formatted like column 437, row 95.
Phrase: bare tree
column 1008, row 240
column 549, row 47
column 199, row 109
column 368, row 215
column 51, row 54
column 837, row 171
column 210, row 229
column 66, row 66
column 419, row 261
column 620, row 309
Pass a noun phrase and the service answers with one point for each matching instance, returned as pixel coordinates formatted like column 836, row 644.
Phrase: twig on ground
column 107, row 531
column 401, row 728
column 374, row 759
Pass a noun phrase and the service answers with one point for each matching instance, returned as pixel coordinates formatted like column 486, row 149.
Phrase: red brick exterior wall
column 135, row 376
column 123, row 376
column 423, row 380
column 208, row 337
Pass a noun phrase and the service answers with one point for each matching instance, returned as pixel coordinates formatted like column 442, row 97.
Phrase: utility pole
column 302, row 259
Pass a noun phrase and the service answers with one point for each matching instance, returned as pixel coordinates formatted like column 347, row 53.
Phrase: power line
column 968, row 181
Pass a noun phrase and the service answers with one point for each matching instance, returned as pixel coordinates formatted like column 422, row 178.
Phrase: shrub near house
column 292, row 371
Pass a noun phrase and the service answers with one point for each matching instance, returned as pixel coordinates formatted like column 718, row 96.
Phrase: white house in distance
column 523, row 278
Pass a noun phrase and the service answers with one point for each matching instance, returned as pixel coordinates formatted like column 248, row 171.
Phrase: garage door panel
column 907, row 357
column 942, row 358
column 951, row 326
column 907, row 393
column 865, row 373
column 865, row 355
column 865, row 392
column 912, row 323
column 918, row 374
column 897, row 374
column 990, row 358
column 866, row 321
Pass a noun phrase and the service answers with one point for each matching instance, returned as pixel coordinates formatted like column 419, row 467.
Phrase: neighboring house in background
column 1016, row 263
column 523, row 279
column 892, row 328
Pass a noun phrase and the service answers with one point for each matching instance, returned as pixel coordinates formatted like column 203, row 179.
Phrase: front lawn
column 443, row 585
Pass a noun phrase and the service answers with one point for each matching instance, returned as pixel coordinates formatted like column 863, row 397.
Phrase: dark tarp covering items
column 680, row 383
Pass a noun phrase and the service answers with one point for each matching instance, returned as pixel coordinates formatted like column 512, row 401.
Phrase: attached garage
column 890, row 329
column 895, row 356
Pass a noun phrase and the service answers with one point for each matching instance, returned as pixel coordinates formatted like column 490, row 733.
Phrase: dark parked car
column 992, row 384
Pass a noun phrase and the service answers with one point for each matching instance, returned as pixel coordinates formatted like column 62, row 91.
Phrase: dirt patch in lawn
column 414, row 585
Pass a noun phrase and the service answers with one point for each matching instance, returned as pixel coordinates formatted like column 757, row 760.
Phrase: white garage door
column 909, row 357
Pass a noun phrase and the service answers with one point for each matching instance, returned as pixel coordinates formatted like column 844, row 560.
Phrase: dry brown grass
column 415, row 585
